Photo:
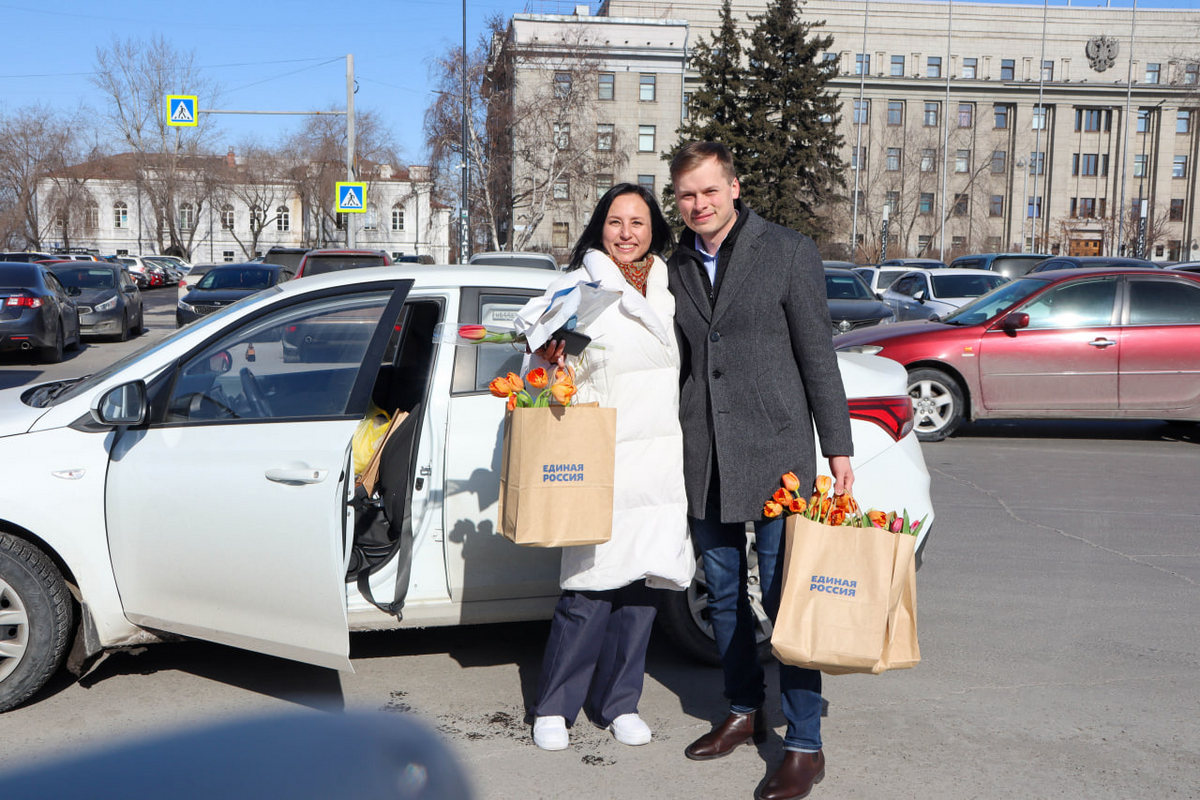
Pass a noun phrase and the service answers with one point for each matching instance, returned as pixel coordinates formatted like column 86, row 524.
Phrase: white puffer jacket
column 637, row 373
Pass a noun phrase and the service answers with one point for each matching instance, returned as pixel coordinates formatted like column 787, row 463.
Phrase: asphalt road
column 1059, row 627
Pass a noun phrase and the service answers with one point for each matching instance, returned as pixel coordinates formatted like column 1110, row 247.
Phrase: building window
column 898, row 66
column 892, row 201
column 91, row 216
column 999, row 161
column 1176, row 214
column 1143, row 120
column 371, row 218
column 1008, row 69
column 645, row 138
column 925, row 203
column 894, row 155
column 397, row 218
column 933, row 67
column 1153, row 71
column 187, row 217
column 931, row 114
column 961, row 205
column 1183, row 121
column 1034, row 208
column 966, row 115
column 562, row 135
column 962, row 161
column 560, row 237
column 1039, row 118
column 970, row 67
column 830, row 62
column 1191, row 74
column 604, row 136
column 1086, row 164
column 228, row 218
column 646, row 182
column 227, row 255
column 996, row 206
column 1179, row 167
column 1093, row 120
column 862, row 63
column 859, row 199
column 928, row 159
column 1000, row 116
column 958, row 243
column 858, row 158
column 895, row 112
column 1083, row 207
column 562, row 190
column 1047, row 70
column 646, row 88
column 339, row 220
column 283, row 218
column 687, row 105
column 603, row 184
column 1174, row 246
column 923, row 244
column 1139, row 166
column 862, row 110
column 562, row 85
column 1037, row 163
column 604, row 85
column 120, row 215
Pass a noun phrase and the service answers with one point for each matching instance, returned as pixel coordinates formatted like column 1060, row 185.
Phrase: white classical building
column 226, row 211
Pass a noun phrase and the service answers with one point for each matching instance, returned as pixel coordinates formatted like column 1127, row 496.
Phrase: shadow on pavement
column 1131, row 430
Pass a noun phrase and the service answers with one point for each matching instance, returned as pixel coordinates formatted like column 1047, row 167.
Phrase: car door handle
column 1102, row 343
column 296, row 475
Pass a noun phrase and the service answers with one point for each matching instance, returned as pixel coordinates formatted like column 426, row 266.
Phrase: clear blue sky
column 274, row 54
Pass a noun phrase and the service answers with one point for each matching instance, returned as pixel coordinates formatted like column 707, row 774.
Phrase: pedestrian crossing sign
column 181, row 110
column 351, row 197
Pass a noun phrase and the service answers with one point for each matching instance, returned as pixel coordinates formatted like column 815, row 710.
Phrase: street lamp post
column 1140, row 247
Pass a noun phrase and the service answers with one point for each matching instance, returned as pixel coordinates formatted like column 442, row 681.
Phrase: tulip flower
column 824, row 483
column 514, row 380
column 916, row 527
column 897, row 524
column 563, row 392
column 878, row 518
column 837, row 517
column 782, row 497
column 538, row 378
column 826, row 505
column 474, row 333
column 771, row 509
column 564, row 374
column 843, row 502
column 797, row 506
column 512, row 402
column 790, row 481
column 500, row 387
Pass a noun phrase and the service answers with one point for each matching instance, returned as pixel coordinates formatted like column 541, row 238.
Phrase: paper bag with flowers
column 849, row 583
column 556, row 474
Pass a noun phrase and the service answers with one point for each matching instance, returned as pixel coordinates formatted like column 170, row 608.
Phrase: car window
column 905, row 286
column 1014, row 265
column 965, row 285
column 989, row 305
column 1155, row 302
column 845, row 287
column 968, row 263
column 497, row 359
column 1079, row 304
column 319, row 264
column 299, row 361
column 236, row 279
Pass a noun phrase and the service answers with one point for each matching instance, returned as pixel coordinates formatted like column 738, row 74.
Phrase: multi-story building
column 228, row 210
column 978, row 126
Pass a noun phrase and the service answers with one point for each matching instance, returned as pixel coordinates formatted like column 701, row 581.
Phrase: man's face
column 705, row 198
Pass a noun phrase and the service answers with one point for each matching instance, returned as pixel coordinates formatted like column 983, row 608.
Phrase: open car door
column 227, row 512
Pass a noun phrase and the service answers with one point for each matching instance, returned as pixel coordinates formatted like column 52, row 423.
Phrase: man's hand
column 553, row 352
column 843, row 475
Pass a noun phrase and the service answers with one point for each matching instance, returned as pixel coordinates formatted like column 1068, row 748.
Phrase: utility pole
column 464, row 250
column 350, row 232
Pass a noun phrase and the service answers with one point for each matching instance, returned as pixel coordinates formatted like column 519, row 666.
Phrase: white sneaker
column 550, row 733
column 629, row 729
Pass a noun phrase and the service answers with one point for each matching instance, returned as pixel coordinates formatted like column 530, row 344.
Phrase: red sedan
column 1085, row 343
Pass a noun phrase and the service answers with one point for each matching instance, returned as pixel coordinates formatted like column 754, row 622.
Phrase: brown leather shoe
column 737, row 729
column 795, row 776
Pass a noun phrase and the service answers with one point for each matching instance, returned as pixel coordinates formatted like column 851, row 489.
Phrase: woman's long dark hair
column 592, row 237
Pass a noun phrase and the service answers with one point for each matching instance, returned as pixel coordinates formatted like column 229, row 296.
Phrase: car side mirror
column 74, row 291
column 1014, row 321
column 919, row 296
column 123, row 405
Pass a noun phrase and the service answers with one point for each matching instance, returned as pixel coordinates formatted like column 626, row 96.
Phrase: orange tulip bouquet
column 849, row 600
column 561, row 390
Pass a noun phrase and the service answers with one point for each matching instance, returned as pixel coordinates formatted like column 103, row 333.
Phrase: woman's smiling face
column 627, row 232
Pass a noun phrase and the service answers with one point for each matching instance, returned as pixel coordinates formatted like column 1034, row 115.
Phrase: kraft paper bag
column 556, row 475
column 848, row 601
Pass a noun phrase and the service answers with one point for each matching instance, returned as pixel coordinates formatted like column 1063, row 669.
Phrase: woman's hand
column 553, row 352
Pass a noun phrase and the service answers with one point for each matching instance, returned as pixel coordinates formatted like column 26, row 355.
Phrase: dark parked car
column 36, row 311
column 914, row 263
column 317, row 262
column 224, row 285
column 1010, row 265
column 1088, row 343
column 1089, row 262
column 25, row 258
column 108, row 300
column 288, row 257
column 851, row 303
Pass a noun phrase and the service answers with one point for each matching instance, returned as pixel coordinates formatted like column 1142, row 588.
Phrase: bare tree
column 257, row 177
column 35, row 142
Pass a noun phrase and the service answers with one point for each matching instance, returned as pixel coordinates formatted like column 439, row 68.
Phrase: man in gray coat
column 758, row 371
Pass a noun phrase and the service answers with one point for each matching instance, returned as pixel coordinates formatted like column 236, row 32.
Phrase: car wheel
column 54, row 353
column 36, row 619
column 123, row 336
column 684, row 617
column 937, row 404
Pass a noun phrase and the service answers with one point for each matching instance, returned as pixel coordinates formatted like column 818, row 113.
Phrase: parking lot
column 1058, row 621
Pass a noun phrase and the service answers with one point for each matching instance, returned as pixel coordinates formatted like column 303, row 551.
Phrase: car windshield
column 318, row 264
column 17, row 275
column 229, row 279
column 86, row 278
column 989, row 305
column 845, row 287
column 964, row 285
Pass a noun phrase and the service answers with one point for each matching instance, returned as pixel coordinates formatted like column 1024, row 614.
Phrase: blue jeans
column 722, row 546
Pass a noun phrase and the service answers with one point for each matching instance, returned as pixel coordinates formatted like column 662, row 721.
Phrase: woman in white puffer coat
column 596, row 653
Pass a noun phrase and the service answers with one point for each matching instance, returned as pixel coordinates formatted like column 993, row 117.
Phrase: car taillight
column 893, row 414
column 182, row 284
column 24, row 301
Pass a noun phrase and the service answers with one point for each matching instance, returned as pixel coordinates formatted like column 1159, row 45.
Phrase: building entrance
column 1084, row 247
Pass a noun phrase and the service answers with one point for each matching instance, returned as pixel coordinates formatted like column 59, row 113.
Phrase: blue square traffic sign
column 181, row 110
column 351, row 197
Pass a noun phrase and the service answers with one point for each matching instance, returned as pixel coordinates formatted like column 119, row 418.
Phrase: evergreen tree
column 787, row 145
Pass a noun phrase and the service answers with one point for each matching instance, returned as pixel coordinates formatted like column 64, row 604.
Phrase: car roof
column 940, row 271
column 433, row 276
column 1078, row 272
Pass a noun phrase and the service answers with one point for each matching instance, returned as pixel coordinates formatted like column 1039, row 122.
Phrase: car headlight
column 107, row 305
column 185, row 307
column 889, row 318
column 865, row 349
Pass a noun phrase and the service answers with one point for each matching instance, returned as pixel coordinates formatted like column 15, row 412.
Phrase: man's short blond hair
column 695, row 153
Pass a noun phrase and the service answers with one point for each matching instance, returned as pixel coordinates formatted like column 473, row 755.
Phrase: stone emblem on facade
column 1101, row 52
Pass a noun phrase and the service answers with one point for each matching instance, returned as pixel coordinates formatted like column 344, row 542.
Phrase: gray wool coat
column 758, row 367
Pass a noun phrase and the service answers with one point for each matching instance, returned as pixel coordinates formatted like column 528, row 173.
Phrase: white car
column 931, row 293
column 880, row 278
column 253, row 409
